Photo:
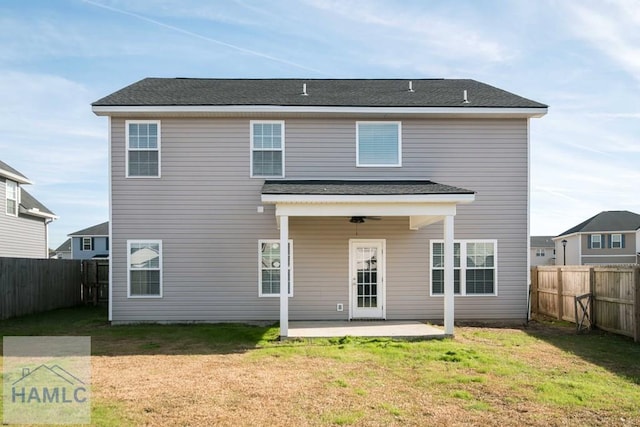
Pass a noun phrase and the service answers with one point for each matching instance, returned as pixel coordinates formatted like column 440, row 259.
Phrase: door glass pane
column 367, row 277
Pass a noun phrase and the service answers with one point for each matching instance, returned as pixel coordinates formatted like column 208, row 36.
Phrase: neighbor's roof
column 65, row 247
column 320, row 93
column 31, row 206
column 607, row 221
column 542, row 242
column 367, row 188
column 94, row 230
column 9, row 172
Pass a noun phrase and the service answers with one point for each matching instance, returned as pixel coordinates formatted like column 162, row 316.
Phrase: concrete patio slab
column 382, row 328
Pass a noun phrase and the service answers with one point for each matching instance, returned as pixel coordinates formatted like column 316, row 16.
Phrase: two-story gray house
column 309, row 199
column 90, row 242
column 610, row 237
column 23, row 219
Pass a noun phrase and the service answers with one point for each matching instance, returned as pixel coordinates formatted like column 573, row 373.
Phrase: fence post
column 592, row 291
column 534, row 291
column 560, row 300
column 636, row 304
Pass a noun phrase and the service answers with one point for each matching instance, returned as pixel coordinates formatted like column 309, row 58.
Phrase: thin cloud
column 440, row 35
column 612, row 28
column 205, row 38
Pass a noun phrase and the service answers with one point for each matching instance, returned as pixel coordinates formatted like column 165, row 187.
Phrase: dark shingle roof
column 6, row 168
column 542, row 242
column 321, row 92
column 368, row 188
column 94, row 230
column 27, row 201
column 607, row 221
column 65, row 247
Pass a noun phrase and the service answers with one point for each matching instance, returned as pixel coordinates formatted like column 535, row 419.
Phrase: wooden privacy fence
column 34, row 285
column 614, row 303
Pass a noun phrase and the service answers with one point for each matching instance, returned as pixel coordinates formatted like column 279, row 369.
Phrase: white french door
column 367, row 270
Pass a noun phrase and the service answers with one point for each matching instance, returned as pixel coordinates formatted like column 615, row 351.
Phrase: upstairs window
column 12, row 198
column 87, row 244
column 379, row 144
column 143, row 148
column 596, row 241
column 616, row 241
column 267, row 149
column 540, row 252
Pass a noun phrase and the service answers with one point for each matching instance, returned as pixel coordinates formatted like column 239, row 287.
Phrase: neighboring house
column 543, row 250
column 63, row 251
column 91, row 242
column 23, row 219
column 229, row 194
column 611, row 237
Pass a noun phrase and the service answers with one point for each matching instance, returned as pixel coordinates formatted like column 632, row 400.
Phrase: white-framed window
column 12, row 191
column 596, row 241
column 86, row 244
column 474, row 267
column 143, row 148
column 269, row 268
column 540, row 252
column 616, row 241
column 379, row 144
column 267, row 148
column 144, row 265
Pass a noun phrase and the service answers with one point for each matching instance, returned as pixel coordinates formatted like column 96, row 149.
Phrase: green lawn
column 544, row 374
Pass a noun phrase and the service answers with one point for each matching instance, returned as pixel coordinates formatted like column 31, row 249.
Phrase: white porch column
column 448, row 275
column 284, row 276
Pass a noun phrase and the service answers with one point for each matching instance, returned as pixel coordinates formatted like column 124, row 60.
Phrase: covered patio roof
column 424, row 202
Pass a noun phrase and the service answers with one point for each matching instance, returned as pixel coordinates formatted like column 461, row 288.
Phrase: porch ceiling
column 424, row 202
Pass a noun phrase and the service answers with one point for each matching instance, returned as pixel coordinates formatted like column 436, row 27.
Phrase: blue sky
column 582, row 58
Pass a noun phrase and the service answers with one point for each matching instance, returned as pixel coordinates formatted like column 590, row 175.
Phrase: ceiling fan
column 361, row 219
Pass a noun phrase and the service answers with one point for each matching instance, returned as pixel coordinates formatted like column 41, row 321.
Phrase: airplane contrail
column 199, row 36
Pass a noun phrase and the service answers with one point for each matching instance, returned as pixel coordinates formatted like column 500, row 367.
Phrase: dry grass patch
column 201, row 375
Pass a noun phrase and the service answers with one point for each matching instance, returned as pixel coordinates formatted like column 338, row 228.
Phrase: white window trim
column 7, row 198
column 260, row 243
column 129, row 269
column 282, row 148
column 82, row 244
column 599, row 236
column 463, row 270
column 127, row 149
column 540, row 252
column 619, row 235
column 361, row 165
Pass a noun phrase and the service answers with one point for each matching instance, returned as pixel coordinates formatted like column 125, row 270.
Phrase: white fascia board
column 39, row 213
column 417, row 222
column 366, row 209
column 225, row 109
column 564, row 236
column 350, row 199
column 87, row 235
column 13, row 177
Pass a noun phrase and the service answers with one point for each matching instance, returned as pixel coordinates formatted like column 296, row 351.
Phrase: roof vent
column 304, row 90
column 411, row 86
column 465, row 100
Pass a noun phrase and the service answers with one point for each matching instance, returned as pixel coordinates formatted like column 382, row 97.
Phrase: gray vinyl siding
column 204, row 209
column 22, row 236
